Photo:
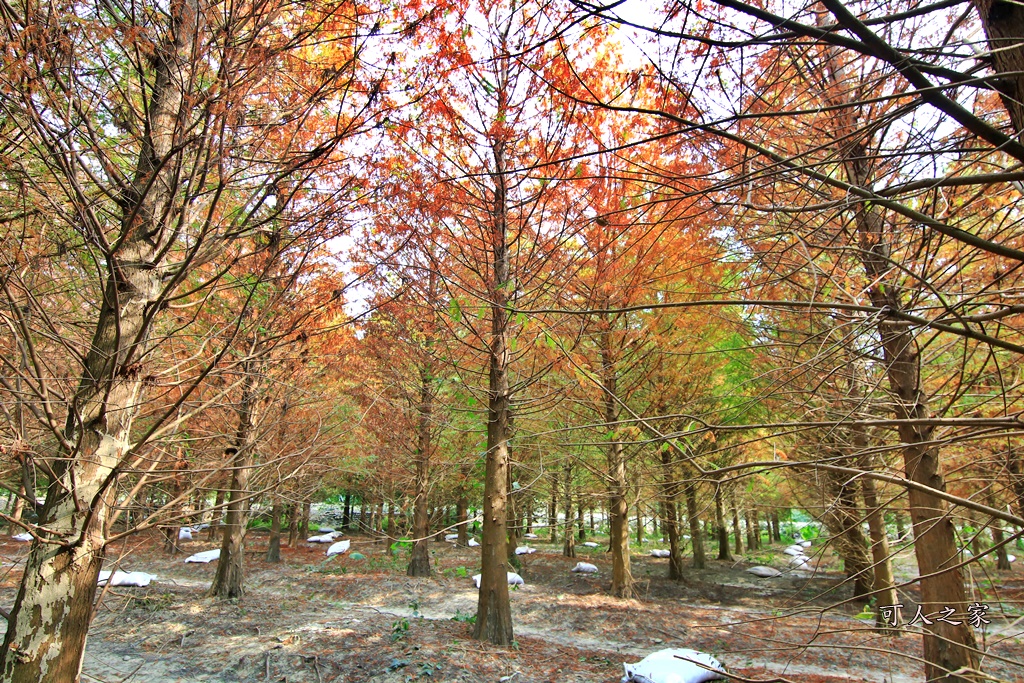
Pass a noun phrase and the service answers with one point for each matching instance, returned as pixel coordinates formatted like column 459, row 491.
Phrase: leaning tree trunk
column 419, row 564
column 47, row 627
column 493, row 612
column 947, row 647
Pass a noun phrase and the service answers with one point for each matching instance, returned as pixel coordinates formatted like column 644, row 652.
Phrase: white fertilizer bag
column 451, row 537
column 591, row 544
column 140, row 579
column 764, row 572
column 339, row 548
column 525, row 550
column 584, row 568
column 674, row 666
column 660, row 552
column 513, row 579
column 184, row 534
column 323, row 538
column 22, row 537
column 794, row 550
column 473, row 543
column 530, row 536
column 205, row 557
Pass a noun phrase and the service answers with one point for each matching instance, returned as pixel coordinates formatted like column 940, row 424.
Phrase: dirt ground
column 317, row 620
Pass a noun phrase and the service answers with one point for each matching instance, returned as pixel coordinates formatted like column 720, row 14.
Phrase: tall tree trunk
column 737, row 534
column 274, row 544
column 493, row 613
column 618, row 485
column 947, row 647
column 844, row 521
column 228, row 582
column 776, row 530
column 639, row 521
column 307, row 509
column 721, row 530
column 696, row 533
column 670, row 517
column 1002, row 559
column 579, row 522
column 460, row 517
column 569, row 547
column 346, row 514
column 47, row 627
column 293, row 524
column 884, row 586
column 553, row 507
column 419, row 564
column 218, row 511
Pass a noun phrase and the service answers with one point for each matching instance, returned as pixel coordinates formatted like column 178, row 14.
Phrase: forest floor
column 317, row 620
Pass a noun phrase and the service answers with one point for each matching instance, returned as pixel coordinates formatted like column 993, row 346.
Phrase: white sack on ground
column 674, row 666
column 339, row 548
column 451, row 537
column 591, row 544
column 660, row 552
column 513, row 579
column 22, row 537
column 473, row 543
column 140, row 579
column 324, row 538
column 205, row 556
column 184, row 534
column 764, row 572
column 584, row 568
column 525, row 550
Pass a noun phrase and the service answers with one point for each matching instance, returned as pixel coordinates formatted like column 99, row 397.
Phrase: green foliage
column 401, row 544
column 399, row 629
column 464, row 618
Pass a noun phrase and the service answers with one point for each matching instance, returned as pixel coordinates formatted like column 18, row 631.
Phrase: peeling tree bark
column 47, row 628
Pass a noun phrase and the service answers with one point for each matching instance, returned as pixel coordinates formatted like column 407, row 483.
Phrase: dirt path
column 348, row 620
